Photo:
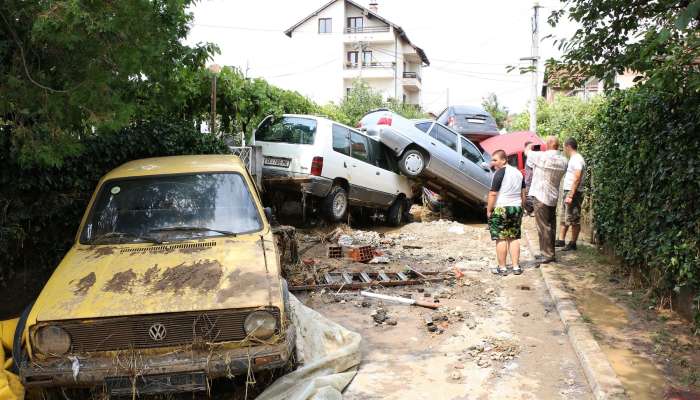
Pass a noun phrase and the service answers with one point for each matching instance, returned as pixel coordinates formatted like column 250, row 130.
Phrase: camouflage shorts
column 572, row 211
column 505, row 223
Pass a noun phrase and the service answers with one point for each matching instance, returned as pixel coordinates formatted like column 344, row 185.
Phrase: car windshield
column 171, row 207
column 293, row 130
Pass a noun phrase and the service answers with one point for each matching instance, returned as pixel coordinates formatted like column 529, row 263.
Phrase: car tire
column 335, row 204
column 412, row 163
column 395, row 214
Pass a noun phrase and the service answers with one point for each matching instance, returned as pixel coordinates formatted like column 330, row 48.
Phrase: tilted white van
column 333, row 164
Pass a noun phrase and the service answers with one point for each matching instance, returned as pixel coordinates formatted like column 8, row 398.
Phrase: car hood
column 120, row 280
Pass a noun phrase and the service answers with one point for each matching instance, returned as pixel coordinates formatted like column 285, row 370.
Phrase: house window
column 367, row 57
column 353, row 58
column 355, row 24
column 347, row 91
column 324, row 25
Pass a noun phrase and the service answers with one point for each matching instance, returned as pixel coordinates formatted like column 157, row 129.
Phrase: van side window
column 360, row 146
column 513, row 160
column 341, row 141
column 470, row 152
column 447, row 137
column 424, row 126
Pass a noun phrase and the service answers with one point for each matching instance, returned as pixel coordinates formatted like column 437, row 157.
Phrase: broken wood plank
column 361, row 285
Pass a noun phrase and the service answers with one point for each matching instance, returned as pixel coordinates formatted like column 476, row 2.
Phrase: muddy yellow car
column 174, row 279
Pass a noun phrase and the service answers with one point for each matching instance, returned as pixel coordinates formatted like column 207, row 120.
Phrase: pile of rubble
column 489, row 351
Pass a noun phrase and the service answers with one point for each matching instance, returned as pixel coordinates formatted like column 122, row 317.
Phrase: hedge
column 41, row 207
column 644, row 158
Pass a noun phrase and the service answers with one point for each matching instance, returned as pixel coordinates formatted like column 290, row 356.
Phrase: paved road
column 500, row 341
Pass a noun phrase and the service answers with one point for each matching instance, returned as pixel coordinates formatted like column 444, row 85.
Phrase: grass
column 586, row 319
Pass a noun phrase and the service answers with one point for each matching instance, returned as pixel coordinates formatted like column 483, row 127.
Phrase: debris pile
column 489, row 351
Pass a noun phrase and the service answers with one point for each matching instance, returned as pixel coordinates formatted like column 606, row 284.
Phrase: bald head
column 552, row 143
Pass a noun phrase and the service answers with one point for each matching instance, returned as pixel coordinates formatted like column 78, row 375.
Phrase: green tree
column 498, row 111
column 68, row 67
column 361, row 99
column 658, row 39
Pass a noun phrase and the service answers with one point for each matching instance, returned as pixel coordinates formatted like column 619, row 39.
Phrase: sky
column 469, row 43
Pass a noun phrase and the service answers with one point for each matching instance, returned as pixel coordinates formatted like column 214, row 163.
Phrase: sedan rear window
column 295, row 130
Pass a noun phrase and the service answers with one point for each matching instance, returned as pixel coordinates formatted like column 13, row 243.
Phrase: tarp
column 10, row 386
column 329, row 353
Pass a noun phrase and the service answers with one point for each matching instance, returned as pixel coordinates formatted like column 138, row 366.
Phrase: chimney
column 374, row 6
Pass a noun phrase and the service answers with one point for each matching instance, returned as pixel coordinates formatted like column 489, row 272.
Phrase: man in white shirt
column 573, row 195
column 549, row 168
column 505, row 212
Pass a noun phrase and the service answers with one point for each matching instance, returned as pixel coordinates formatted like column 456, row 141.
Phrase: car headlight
column 260, row 324
column 51, row 340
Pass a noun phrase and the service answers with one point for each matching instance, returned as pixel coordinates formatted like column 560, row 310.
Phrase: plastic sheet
column 10, row 386
column 329, row 353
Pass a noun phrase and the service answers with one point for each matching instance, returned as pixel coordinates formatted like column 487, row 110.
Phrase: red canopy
column 512, row 143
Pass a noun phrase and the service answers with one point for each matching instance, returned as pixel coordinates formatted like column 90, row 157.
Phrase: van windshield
column 171, row 207
column 295, row 130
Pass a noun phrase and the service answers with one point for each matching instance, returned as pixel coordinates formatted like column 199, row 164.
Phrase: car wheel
column 395, row 213
column 335, row 205
column 412, row 163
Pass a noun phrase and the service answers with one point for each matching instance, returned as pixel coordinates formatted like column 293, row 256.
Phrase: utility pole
column 214, row 69
column 535, row 59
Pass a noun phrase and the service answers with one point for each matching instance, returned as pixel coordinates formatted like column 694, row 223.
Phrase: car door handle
column 377, row 172
column 354, row 166
column 345, row 165
column 433, row 143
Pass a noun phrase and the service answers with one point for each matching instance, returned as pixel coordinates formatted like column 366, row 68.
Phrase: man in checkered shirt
column 548, row 169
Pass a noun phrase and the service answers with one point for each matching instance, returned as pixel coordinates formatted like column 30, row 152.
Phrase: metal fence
column 252, row 158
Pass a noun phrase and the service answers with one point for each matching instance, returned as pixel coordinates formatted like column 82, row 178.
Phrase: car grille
column 158, row 330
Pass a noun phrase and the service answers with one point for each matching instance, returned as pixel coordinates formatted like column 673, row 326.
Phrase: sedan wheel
column 412, row 163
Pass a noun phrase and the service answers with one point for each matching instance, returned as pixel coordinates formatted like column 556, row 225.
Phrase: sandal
column 517, row 270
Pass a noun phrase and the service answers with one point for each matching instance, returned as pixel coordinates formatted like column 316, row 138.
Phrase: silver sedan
column 425, row 148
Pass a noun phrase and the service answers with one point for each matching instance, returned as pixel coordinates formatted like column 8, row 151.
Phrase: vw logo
column 157, row 332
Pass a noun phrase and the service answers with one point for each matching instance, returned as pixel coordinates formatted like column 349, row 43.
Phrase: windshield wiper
column 192, row 229
column 125, row 235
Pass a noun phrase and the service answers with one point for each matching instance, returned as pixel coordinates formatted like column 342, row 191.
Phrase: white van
column 337, row 166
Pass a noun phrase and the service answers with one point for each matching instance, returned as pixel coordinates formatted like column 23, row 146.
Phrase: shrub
column 645, row 166
column 41, row 206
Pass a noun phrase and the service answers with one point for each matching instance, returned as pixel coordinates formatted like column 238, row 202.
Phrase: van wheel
column 335, row 205
column 395, row 214
column 412, row 163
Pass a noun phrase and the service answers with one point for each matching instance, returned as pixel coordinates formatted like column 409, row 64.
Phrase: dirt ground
column 652, row 350
column 495, row 337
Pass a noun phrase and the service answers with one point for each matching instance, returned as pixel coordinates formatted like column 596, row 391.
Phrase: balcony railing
column 413, row 75
column 367, row 29
column 373, row 64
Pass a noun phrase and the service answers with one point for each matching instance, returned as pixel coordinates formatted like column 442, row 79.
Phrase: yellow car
column 174, row 279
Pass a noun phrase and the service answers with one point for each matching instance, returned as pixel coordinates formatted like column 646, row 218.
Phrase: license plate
column 277, row 162
column 476, row 121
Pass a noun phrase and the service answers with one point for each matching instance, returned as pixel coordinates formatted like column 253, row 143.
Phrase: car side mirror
column 268, row 213
column 485, row 166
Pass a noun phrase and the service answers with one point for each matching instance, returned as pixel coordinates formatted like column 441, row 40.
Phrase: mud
column 101, row 251
column 84, row 284
column 239, row 283
column 202, row 275
column 150, row 275
column 121, row 282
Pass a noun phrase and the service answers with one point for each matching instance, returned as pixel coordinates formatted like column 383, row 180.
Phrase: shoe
column 559, row 243
column 569, row 247
column 546, row 260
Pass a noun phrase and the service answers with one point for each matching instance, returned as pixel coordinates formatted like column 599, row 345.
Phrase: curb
column 601, row 377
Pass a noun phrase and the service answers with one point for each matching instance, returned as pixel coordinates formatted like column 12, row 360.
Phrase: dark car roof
column 469, row 110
